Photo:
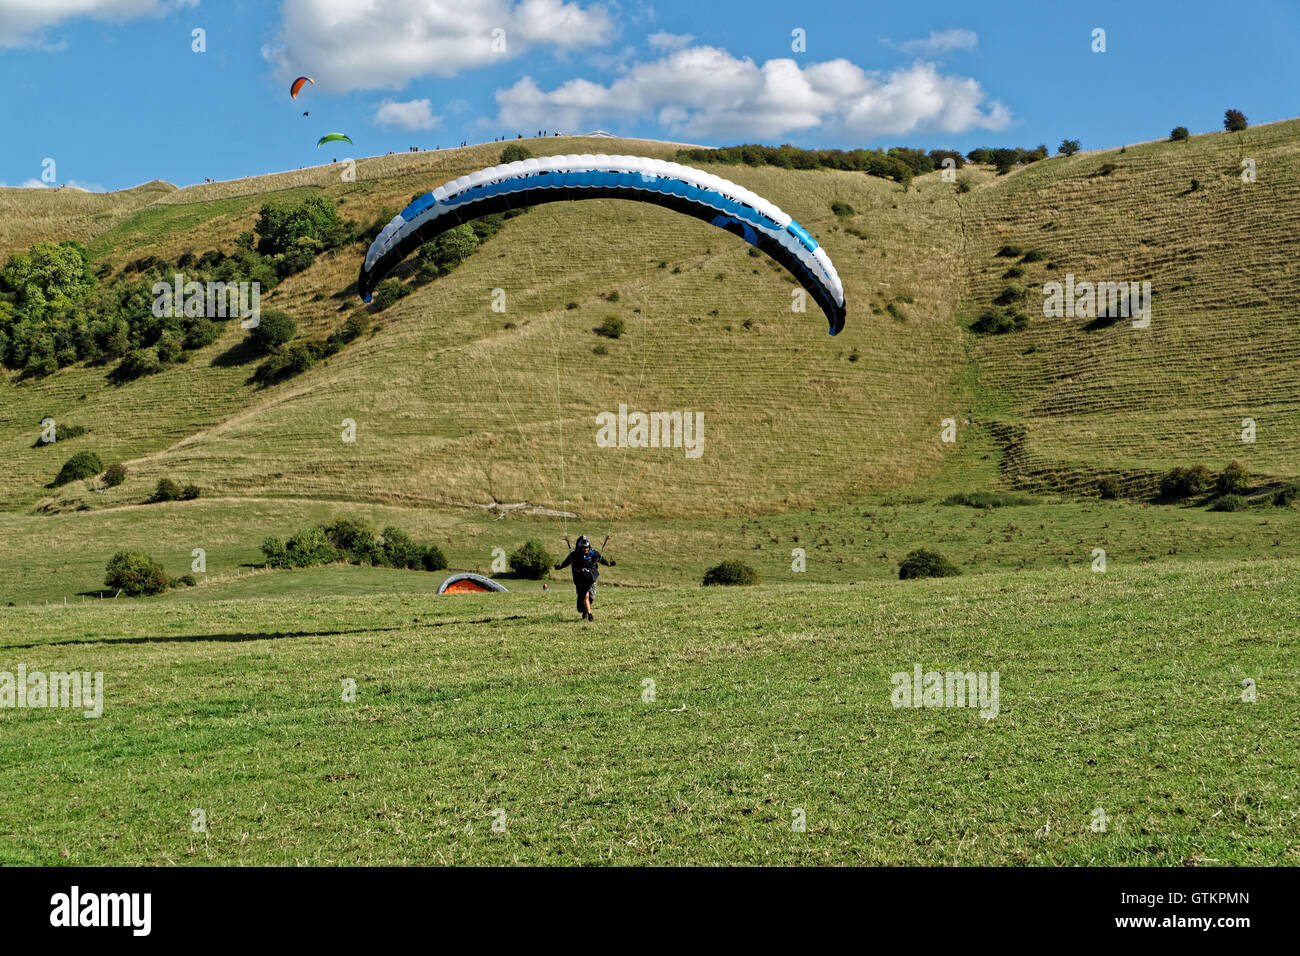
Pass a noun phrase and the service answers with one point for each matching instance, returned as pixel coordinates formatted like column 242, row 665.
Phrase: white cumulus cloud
column 411, row 115
column 374, row 44
column 669, row 41
column 941, row 41
column 24, row 22
column 706, row 92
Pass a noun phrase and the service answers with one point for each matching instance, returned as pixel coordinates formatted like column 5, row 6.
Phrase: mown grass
column 1119, row 691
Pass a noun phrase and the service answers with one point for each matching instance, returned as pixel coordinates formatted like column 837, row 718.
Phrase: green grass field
column 1120, row 691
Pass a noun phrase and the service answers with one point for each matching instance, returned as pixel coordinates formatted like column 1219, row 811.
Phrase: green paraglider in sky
column 330, row 138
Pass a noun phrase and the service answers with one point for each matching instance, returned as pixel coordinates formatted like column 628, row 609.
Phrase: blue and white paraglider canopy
column 559, row 178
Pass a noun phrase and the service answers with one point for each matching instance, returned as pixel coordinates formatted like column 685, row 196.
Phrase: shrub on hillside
column 134, row 573
column 114, row 474
column 989, row 499
column 1180, row 483
column 1234, row 121
column 612, row 328
column 531, row 560
column 729, row 574
column 1068, row 147
column 1010, row 252
column 1233, row 480
column 842, row 209
column 310, row 546
column 136, row 364
column 924, row 563
column 433, row 559
column 61, row 433
column 190, row 492
column 1178, row 133
column 999, row 322
column 274, row 328
column 200, row 333
column 353, row 327
column 1283, row 497
column 1013, row 293
column 1107, row 487
column 514, row 153
column 166, row 490
column 450, row 249
column 354, row 538
column 287, row 362
column 1228, row 503
column 84, row 464
column 397, row 550
column 388, row 292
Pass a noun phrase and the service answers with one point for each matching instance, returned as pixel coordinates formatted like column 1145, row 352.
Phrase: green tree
column 280, row 225
column 1068, row 147
column 1234, row 121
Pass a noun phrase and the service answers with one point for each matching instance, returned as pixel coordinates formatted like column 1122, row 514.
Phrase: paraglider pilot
column 584, row 561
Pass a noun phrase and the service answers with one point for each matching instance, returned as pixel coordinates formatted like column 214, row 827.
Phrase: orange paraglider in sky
column 297, row 85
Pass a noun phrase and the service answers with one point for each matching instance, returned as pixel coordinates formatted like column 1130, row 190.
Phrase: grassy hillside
column 459, row 408
column 1120, row 692
column 1081, row 398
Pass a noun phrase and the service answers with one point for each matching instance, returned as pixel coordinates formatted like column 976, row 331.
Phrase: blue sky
column 112, row 91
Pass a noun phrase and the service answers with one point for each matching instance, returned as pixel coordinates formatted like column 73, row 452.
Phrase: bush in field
column 310, row 547
column 998, row 322
column 842, row 209
column 1233, row 480
column 612, row 328
column 84, row 464
column 136, row 364
column 275, row 553
column 531, row 560
column 397, row 550
column 1234, row 121
column 1068, row 147
column 388, row 292
column 114, row 474
column 1283, row 497
column 288, row 362
column 450, row 249
column 273, row 329
column 135, row 574
column 1107, row 487
column 1178, row 484
column 354, row 538
column 1178, row 134
column 989, row 499
column 730, row 573
column 200, row 333
column 190, row 492
column 514, row 153
column 1228, row 503
column 1013, row 293
column 924, row 563
column 433, row 559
